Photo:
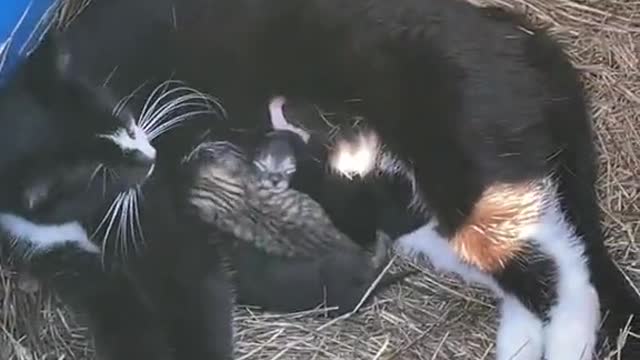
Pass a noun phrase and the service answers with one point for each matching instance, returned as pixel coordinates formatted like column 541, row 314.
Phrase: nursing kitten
column 284, row 252
column 88, row 204
column 226, row 195
column 337, row 281
column 274, row 163
column 352, row 205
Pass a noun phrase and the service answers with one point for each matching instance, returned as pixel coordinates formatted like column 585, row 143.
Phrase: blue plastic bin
column 22, row 25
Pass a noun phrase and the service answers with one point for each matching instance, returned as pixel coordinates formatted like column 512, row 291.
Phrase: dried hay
column 433, row 317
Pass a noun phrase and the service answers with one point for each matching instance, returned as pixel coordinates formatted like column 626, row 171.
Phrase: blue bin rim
column 22, row 26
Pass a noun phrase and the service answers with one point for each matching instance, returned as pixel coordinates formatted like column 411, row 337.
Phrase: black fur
column 169, row 299
column 336, row 280
column 504, row 105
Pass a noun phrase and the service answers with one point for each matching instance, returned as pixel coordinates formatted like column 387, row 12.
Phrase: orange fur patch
column 490, row 238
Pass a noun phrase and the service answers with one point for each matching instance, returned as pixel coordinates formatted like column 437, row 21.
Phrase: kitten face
column 274, row 165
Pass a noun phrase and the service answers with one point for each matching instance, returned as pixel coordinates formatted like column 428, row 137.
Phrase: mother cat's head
column 69, row 146
column 58, row 132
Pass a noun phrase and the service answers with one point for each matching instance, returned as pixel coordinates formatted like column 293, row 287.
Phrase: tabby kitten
column 226, row 195
column 274, row 163
column 284, row 252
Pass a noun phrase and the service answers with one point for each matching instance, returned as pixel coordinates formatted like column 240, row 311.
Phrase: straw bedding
column 433, row 316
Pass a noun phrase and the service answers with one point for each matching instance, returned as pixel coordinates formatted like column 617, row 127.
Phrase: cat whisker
column 125, row 100
column 122, row 233
column 153, row 114
column 150, row 113
column 94, row 174
column 136, row 209
column 131, row 196
column 104, row 218
column 150, row 104
column 112, row 173
column 173, row 123
column 104, row 181
column 117, row 204
column 200, row 101
column 172, row 107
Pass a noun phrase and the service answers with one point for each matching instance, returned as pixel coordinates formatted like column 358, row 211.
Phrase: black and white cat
column 87, row 202
column 489, row 118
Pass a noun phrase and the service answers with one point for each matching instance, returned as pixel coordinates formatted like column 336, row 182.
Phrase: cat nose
column 275, row 179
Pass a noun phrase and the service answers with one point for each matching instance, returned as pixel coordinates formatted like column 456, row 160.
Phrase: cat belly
column 426, row 242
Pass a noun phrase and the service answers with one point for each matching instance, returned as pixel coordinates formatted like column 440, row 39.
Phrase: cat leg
column 122, row 323
column 201, row 307
column 520, row 335
column 574, row 318
column 63, row 257
column 517, row 233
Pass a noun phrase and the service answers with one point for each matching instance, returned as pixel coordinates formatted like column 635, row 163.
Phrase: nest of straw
column 432, row 316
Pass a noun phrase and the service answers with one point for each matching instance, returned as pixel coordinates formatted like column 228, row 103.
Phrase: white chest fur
column 41, row 237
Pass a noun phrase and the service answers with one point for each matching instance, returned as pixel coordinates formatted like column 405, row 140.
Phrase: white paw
column 520, row 334
column 572, row 331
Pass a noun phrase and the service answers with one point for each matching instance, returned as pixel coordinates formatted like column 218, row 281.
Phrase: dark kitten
column 336, row 280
